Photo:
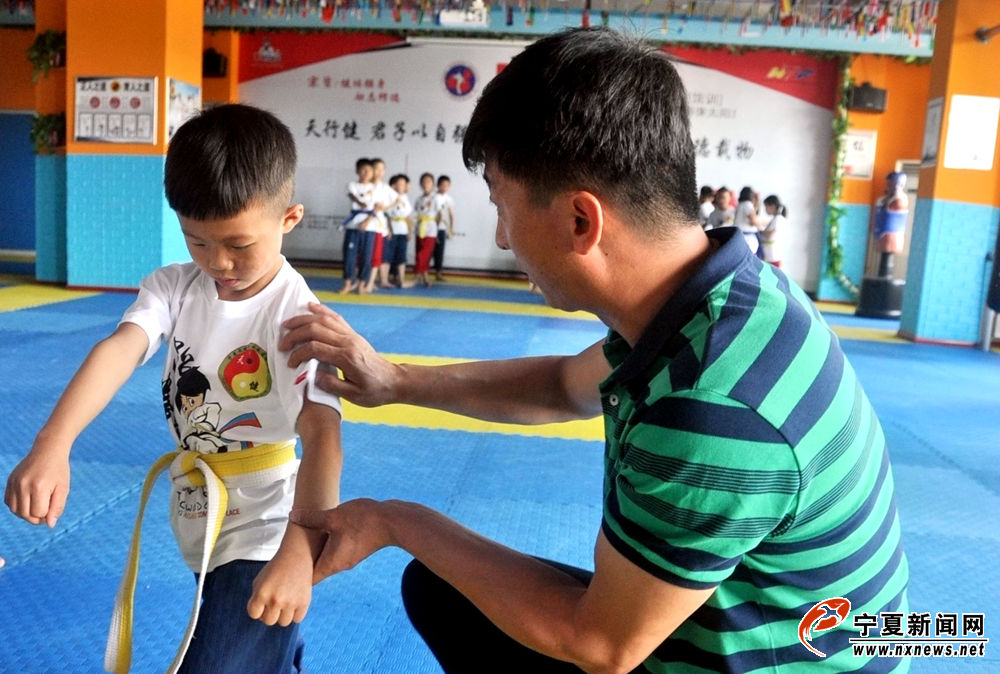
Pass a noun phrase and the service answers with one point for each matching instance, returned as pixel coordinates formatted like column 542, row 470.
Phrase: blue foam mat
column 938, row 406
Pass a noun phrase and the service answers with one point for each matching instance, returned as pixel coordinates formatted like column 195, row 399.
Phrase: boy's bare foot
column 408, row 284
column 347, row 287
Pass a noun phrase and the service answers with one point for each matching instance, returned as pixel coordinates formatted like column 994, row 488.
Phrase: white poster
column 932, row 132
column 972, row 130
column 115, row 110
column 859, row 153
column 409, row 105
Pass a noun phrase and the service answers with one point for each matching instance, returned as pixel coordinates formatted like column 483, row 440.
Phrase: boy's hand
column 38, row 486
column 282, row 590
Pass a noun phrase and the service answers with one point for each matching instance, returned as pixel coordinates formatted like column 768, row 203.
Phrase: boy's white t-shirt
column 245, row 395
column 385, row 195
column 403, row 209
column 444, row 207
column 427, row 211
column 365, row 193
column 744, row 210
column 771, row 238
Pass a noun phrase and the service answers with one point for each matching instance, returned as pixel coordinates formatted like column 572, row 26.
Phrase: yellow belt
column 201, row 470
column 422, row 221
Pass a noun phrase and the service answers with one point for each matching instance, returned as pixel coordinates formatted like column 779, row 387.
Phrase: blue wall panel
column 115, row 219
column 50, row 218
column 17, row 175
column 945, row 290
column 854, row 241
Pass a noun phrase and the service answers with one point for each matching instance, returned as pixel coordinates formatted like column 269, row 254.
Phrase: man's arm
column 611, row 625
column 38, row 485
column 282, row 590
column 521, row 390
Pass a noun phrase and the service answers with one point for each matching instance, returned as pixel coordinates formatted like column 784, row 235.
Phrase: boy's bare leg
column 401, row 275
column 347, row 287
column 383, row 276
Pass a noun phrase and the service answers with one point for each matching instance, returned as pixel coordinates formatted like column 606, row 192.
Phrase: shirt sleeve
column 151, row 309
column 295, row 385
column 700, row 481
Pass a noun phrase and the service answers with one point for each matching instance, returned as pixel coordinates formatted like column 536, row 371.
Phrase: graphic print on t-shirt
column 244, row 373
column 194, row 411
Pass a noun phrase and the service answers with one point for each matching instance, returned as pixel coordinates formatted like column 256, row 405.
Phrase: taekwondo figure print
column 192, row 407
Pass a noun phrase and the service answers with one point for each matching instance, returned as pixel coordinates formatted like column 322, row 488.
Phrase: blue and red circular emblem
column 460, row 80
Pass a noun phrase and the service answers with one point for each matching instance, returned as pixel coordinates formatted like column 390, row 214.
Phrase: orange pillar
column 225, row 88
column 958, row 205
column 133, row 56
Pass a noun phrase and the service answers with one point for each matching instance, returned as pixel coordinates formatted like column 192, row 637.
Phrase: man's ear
column 293, row 216
column 588, row 221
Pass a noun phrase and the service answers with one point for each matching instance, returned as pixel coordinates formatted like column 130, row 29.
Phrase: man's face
column 527, row 229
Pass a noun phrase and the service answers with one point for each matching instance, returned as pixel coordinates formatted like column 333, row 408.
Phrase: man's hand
column 368, row 379
column 354, row 531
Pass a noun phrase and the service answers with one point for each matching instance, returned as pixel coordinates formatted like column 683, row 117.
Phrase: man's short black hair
column 399, row 176
column 228, row 158
column 591, row 109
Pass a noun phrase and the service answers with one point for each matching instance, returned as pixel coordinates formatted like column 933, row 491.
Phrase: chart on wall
column 759, row 119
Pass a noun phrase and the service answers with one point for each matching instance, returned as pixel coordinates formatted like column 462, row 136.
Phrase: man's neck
column 644, row 284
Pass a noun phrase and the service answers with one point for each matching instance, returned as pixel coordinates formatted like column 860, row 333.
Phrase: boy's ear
column 588, row 221
column 293, row 216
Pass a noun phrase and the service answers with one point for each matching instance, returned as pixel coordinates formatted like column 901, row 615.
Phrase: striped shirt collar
column 679, row 309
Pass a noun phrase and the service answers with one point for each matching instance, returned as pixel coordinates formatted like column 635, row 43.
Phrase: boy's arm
column 283, row 589
column 38, row 486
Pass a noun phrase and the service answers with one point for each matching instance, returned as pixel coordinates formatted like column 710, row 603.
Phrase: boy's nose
column 220, row 260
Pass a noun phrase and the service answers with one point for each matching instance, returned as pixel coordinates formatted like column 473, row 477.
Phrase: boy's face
column 401, row 186
column 366, row 173
column 243, row 253
column 427, row 184
column 379, row 171
column 444, row 186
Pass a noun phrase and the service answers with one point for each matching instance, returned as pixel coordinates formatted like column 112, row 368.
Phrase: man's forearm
column 530, row 601
column 523, row 390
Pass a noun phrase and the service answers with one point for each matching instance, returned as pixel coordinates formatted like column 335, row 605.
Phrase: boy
column 427, row 229
column 358, row 222
column 445, row 208
column 231, row 402
column 400, row 227
column 385, row 198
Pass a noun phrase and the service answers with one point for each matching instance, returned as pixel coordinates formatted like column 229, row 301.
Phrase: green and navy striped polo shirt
column 742, row 453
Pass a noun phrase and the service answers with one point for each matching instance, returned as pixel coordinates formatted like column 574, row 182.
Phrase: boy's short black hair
column 399, row 176
column 364, row 161
column 591, row 109
column 228, row 158
column 706, row 191
column 426, row 175
column 442, row 178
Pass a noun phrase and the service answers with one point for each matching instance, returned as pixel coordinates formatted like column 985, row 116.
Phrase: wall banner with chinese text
column 760, row 119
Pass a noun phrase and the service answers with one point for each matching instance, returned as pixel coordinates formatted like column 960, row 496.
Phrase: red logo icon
column 824, row 616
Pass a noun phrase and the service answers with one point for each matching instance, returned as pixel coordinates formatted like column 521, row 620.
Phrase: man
column 746, row 478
